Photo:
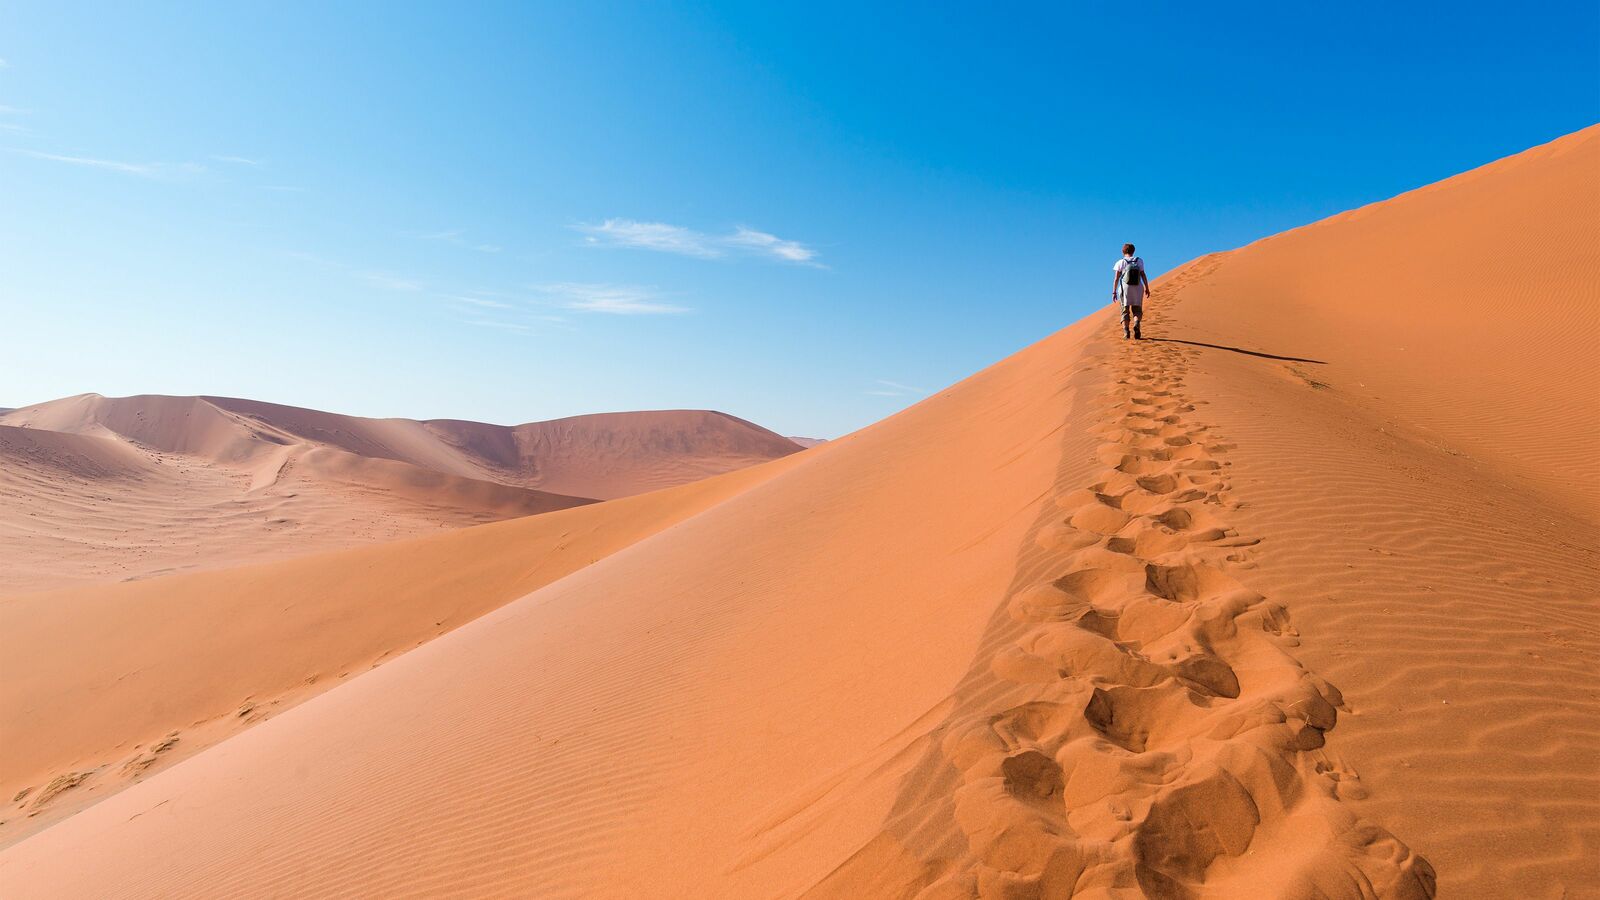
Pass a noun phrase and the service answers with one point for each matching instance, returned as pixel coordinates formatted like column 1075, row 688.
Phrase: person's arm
column 1116, row 274
column 1145, row 277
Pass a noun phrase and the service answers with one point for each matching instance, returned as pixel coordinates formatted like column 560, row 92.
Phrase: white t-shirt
column 1120, row 267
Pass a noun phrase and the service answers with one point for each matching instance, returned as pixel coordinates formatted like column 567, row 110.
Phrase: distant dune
column 808, row 442
column 204, row 482
column 1294, row 599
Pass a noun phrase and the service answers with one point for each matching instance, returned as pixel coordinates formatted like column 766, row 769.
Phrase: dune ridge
column 1135, row 722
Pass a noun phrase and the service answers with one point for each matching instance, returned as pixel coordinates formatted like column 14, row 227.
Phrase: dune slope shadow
column 1256, row 353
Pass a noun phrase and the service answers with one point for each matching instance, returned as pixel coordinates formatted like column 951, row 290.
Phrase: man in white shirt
column 1130, row 286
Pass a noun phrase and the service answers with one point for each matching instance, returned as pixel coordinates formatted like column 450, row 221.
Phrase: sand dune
column 206, row 482
column 108, row 684
column 598, row 456
column 1295, row 599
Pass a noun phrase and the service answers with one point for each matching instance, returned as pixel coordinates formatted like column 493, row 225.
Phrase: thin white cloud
column 772, row 245
column 477, row 301
column 14, row 127
column 665, row 238
column 895, row 385
column 238, row 160
column 608, row 299
column 390, row 282
column 458, row 237
column 145, row 170
column 657, row 236
column 887, row 388
column 503, row 326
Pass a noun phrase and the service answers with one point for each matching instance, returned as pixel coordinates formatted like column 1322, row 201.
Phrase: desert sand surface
column 1294, row 599
column 96, row 489
column 107, row 684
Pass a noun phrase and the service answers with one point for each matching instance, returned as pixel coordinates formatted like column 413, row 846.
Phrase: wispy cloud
column 610, row 299
column 143, row 170
column 458, row 237
column 14, row 127
column 390, row 282
column 146, row 170
column 657, row 236
column 503, row 326
column 772, row 245
column 237, row 160
column 885, row 388
column 665, row 238
column 476, row 301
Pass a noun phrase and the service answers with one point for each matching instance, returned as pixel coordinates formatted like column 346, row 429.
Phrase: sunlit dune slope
column 107, row 684
column 1466, row 310
column 1263, row 606
column 1426, row 477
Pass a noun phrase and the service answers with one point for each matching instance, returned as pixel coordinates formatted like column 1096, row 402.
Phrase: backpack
column 1132, row 271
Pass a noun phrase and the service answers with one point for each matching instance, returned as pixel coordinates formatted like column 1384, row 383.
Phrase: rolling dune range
column 106, row 489
column 1294, row 599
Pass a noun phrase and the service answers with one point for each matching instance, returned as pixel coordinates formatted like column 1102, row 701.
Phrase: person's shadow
column 1239, row 350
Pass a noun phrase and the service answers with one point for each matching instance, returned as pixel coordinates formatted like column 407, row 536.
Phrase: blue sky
column 807, row 215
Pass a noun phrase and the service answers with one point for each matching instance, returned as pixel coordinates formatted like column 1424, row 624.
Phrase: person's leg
column 1138, row 316
column 1125, row 320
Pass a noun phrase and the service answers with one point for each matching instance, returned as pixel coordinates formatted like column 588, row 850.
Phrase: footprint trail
column 1136, row 723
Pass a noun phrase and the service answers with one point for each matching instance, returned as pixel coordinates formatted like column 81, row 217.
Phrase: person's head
column 1127, row 249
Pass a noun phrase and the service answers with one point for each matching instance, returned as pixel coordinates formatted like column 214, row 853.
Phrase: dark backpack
column 1131, row 273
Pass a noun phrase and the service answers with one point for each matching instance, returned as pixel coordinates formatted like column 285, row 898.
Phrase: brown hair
column 1127, row 249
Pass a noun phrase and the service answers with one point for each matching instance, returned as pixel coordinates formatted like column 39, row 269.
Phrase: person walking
column 1130, row 286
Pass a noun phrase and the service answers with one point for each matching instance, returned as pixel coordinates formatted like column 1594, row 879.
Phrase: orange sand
column 1073, row 625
